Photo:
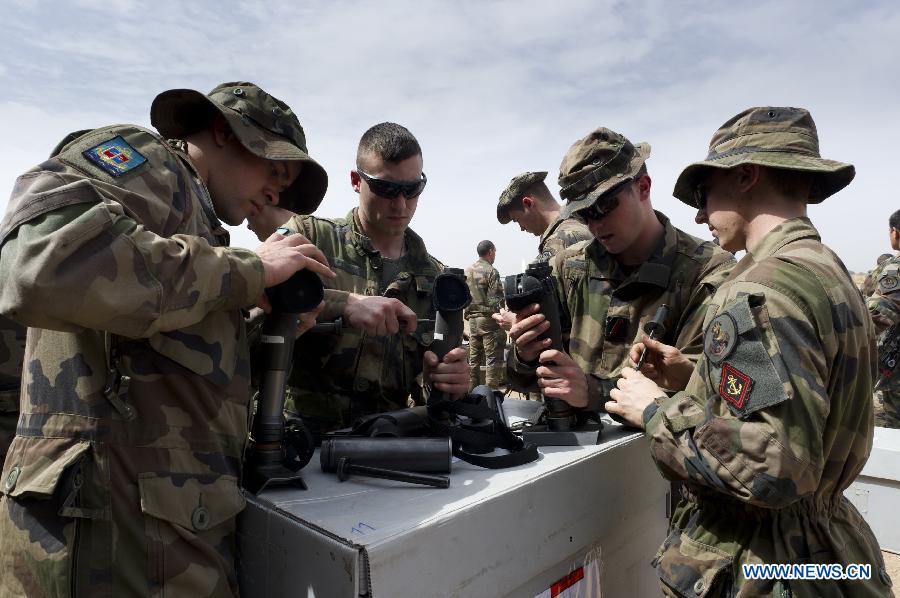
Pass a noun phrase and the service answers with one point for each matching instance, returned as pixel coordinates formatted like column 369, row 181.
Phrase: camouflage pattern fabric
column 562, row 233
column 132, row 491
column 485, row 344
column 868, row 286
column 338, row 378
column 12, row 351
column 773, row 426
column 884, row 307
column 603, row 309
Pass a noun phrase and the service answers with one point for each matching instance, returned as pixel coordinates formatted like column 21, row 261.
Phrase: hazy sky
column 491, row 89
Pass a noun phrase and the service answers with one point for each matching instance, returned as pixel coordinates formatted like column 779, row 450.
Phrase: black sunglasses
column 391, row 189
column 595, row 212
column 699, row 197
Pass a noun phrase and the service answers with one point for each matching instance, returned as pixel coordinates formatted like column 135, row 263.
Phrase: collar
column 786, row 232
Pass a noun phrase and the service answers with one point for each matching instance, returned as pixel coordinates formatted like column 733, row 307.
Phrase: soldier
column 884, row 306
column 383, row 286
column 123, row 477
column 486, row 339
column 609, row 287
column 12, row 350
column 775, row 421
column 528, row 202
column 868, row 286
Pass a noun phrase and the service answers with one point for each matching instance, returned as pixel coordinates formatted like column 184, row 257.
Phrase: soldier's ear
column 221, row 131
column 527, row 201
column 354, row 180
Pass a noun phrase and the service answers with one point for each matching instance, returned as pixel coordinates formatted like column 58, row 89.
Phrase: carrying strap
column 116, row 385
column 482, row 431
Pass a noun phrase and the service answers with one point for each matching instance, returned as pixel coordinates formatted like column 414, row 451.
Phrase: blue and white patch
column 115, row 156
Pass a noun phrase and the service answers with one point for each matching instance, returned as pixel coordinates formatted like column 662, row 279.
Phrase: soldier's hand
column 530, row 324
column 450, row 375
column 504, row 318
column 378, row 316
column 308, row 320
column 633, row 393
column 664, row 364
column 282, row 256
column 560, row 377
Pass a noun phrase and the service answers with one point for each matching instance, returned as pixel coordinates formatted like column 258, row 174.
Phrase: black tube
column 432, row 455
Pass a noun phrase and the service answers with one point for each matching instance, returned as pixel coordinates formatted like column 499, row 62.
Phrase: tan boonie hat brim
column 179, row 112
column 514, row 192
column 608, row 183
column 775, row 137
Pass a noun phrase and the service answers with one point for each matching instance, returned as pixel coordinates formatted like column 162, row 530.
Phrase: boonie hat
column 516, row 191
column 777, row 137
column 596, row 167
column 263, row 124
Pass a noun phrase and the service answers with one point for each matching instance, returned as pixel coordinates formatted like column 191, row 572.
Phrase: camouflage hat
column 601, row 162
column 515, row 191
column 265, row 125
column 776, row 137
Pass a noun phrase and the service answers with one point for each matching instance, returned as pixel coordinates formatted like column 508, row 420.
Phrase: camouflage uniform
column 775, row 422
column 773, row 426
column 884, row 306
column 486, row 338
column 123, row 477
column 868, row 286
column 12, row 350
column 603, row 309
column 338, row 378
column 562, row 232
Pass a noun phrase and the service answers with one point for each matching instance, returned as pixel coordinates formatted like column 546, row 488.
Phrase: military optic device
column 536, row 285
column 267, row 461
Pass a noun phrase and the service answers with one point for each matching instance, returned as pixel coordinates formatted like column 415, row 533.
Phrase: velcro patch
column 735, row 386
column 720, row 338
column 616, row 329
column 115, row 156
column 889, row 283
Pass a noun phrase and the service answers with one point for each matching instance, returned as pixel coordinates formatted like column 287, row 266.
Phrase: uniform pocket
column 35, row 466
column 691, row 568
column 189, row 522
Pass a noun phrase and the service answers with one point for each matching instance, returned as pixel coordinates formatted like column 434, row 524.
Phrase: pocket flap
column 34, row 466
column 192, row 501
column 693, row 568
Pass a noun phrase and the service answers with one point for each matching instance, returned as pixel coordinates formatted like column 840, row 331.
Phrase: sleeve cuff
column 335, row 303
column 246, row 278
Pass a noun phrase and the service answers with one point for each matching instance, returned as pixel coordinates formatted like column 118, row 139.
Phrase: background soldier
column 486, row 339
column 12, row 350
column 610, row 286
column 775, row 422
column 528, row 202
column 884, row 305
column 383, row 286
column 126, row 460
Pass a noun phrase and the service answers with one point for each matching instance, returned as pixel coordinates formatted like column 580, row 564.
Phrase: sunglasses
column 699, row 196
column 391, row 189
column 595, row 212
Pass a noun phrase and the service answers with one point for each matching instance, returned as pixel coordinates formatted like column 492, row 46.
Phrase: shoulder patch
column 889, row 283
column 734, row 386
column 721, row 336
column 115, row 156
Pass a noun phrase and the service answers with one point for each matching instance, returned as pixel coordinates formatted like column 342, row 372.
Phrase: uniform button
column 200, row 519
column 11, row 478
column 699, row 586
